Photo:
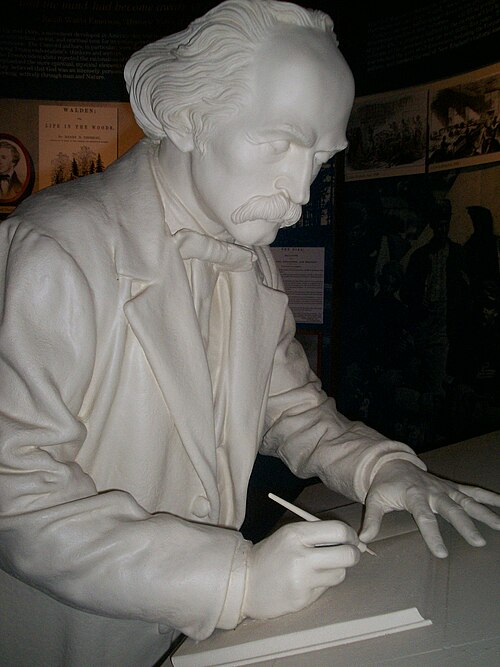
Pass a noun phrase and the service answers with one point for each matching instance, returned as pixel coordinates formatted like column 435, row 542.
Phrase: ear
column 182, row 138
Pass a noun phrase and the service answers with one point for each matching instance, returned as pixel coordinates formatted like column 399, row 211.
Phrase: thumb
column 374, row 513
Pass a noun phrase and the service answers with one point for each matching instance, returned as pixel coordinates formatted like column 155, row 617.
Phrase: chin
column 256, row 232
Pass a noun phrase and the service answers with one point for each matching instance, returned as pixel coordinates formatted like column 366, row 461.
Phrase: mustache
column 276, row 208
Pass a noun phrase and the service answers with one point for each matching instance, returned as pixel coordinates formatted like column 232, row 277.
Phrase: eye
column 278, row 147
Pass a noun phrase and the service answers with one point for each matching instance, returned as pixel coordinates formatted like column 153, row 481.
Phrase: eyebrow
column 303, row 137
column 291, row 131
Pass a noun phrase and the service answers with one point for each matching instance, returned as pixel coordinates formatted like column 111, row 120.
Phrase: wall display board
column 464, row 118
column 388, row 135
column 304, row 254
column 69, row 50
column 52, row 49
column 392, row 45
column 75, row 141
column 451, row 123
column 303, row 271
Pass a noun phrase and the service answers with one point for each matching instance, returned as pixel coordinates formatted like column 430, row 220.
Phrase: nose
column 295, row 180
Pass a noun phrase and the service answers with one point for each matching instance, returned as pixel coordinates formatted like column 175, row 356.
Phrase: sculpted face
column 257, row 167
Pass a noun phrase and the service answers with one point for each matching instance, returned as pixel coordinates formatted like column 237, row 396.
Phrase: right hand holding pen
column 286, row 572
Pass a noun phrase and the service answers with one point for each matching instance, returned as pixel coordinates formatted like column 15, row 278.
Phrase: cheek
column 216, row 171
column 232, row 172
column 241, row 160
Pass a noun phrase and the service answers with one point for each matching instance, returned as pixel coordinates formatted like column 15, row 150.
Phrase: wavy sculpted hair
column 185, row 80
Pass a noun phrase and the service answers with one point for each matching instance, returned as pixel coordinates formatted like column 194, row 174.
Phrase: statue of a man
column 148, row 354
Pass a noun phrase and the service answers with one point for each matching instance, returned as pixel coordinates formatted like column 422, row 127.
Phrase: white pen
column 310, row 517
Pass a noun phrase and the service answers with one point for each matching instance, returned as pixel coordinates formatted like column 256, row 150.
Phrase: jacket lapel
column 163, row 319
column 162, row 316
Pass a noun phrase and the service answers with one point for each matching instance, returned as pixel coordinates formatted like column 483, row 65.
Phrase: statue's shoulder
column 89, row 210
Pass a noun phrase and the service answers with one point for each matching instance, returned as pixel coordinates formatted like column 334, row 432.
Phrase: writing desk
column 459, row 594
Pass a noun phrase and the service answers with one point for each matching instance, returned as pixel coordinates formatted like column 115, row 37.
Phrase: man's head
column 9, row 157
column 182, row 81
column 257, row 94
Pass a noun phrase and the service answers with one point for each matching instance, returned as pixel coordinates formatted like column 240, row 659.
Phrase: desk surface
column 459, row 594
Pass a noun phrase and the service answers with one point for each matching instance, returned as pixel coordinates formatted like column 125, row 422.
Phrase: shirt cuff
column 231, row 613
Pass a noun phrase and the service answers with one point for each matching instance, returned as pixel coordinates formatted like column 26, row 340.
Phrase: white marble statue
column 147, row 354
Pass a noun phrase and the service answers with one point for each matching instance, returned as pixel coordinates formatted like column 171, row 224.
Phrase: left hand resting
column 399, row 485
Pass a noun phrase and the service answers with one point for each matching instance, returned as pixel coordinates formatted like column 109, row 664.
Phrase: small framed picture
column 16, row 170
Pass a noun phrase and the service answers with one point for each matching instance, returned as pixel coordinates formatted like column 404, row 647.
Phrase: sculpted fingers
column 480, row 495
column 374, row 513
column 457, row 502
column 324, row 567
column 459, row 519
column 320, row 533
column 473, row 499
column 331, row 558
column 424, row 517
column 480, row 512
column 287, row 571
column 330, row 578
column 402, row 485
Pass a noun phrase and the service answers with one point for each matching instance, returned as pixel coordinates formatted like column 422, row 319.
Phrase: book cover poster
column 75, row 140
column 464, row 115
column 387, row 135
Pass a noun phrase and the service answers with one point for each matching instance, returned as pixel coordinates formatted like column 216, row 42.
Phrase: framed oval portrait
column 17, row 174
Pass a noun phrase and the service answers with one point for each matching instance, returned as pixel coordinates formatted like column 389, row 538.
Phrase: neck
column 175, row 168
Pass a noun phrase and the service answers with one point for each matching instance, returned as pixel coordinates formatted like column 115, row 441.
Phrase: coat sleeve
column 305, row 430
column 100, row 552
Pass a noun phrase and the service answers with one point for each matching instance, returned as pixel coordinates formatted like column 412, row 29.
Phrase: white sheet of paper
column 380, row 596
column 303, row 641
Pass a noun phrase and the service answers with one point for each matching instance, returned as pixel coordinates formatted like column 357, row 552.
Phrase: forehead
column 299, row 78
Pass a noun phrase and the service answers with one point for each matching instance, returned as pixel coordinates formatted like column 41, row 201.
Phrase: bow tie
column 227, row 256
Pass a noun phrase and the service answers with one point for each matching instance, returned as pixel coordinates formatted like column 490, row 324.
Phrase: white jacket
column 108, row 491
